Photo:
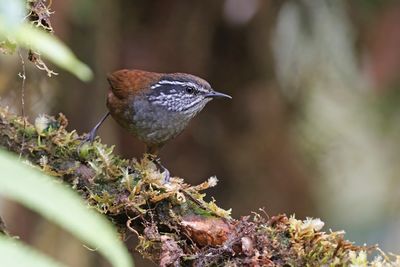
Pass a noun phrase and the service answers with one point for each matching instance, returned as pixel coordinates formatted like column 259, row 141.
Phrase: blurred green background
column 313, row 128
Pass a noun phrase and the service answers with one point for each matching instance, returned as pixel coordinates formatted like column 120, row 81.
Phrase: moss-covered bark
column 175, row 226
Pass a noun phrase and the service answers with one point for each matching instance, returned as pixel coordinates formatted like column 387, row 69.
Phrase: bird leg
column 152, row 152
column 92, row 134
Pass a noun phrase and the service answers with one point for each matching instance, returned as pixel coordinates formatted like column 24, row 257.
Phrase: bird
column 155, row 107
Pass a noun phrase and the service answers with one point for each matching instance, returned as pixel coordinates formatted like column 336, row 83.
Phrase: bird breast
column 155, row 124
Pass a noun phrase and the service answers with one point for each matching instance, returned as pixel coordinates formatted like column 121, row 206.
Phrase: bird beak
column 214, row 94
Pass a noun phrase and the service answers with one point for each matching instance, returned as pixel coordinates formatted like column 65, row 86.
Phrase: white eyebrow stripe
column 155, row 86
column 177, row 83
column 196, row 86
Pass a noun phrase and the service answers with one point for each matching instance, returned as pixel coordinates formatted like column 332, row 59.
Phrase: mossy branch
column 173, row 223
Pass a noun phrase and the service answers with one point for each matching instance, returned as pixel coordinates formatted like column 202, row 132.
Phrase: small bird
column 155, row 107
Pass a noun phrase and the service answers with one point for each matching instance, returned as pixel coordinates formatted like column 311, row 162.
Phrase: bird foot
column 166, row 175
column 89, row 138
column 92, row 134
column 164, row 171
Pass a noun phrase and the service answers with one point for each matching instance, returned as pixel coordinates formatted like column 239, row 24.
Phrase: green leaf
column 62, row 205
column 16, row 254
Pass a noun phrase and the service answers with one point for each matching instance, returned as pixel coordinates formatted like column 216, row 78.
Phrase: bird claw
column 92, row 134
column 164, row 171
column 89, row 138
column 166, row 175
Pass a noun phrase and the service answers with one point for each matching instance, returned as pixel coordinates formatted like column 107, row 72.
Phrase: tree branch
column 174, row 225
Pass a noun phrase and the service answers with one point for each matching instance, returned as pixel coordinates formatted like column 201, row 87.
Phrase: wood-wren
column 155, row 107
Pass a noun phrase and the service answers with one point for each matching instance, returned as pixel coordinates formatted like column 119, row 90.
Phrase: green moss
column 132, row 193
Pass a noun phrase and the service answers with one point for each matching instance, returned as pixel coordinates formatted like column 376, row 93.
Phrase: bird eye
column 190, row 89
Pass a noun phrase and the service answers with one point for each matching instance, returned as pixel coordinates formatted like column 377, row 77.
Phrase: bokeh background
column 313, row 128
